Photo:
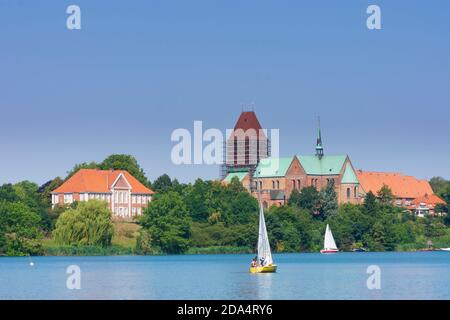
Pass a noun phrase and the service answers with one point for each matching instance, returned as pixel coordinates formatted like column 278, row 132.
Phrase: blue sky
column 137, row 70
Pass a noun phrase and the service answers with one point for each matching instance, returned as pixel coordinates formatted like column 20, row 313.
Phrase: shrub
column 89, row 224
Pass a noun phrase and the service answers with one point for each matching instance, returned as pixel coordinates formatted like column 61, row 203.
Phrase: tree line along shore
column 208, row 217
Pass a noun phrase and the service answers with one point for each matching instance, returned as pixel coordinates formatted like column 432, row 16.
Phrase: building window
column 273, row 184
column 299, row 184
column 138, row 199
column 348, row 193
column 278, row 184
column 133, row 199
column 260, row 185
column 68, row 198
column 355, row 191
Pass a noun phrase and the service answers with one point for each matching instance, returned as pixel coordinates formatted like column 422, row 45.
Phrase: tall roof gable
column 349, row 175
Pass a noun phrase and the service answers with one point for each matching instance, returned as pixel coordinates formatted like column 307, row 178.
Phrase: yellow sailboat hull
column 267, row 269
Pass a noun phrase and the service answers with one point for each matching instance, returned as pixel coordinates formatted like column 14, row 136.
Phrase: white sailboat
column 329, row 245
column 264, row 263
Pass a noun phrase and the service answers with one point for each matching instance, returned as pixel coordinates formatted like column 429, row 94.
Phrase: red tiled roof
column 428, row 199
column 99, row 181
column 248, row 120
column 401, row 186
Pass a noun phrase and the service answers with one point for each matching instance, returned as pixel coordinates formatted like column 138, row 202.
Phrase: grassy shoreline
column 115, row 250
column 126, row 233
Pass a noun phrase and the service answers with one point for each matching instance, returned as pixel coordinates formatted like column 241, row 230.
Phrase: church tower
column 246, row 146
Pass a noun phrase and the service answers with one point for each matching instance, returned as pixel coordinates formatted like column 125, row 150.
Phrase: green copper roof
column 273, row 167
column 327, row 165
column 349, row 175
column 241, row 175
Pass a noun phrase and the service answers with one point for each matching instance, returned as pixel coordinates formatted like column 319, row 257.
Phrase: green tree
column 47, row 189
column 233, row 202
column 370, row 204
column 162, row 184
column 290, row 229
column 385, row 195
column 168, row 224
column 294, row 198
column 28, row 193
column 439, row 185
column 329, row 200
column 197, row 201
column 90, row 223
column 125, row 162
column 7, row 193
column 445, row 194
column 382, row 237
column 309, row 199
column 20, row 233
column 350, row 225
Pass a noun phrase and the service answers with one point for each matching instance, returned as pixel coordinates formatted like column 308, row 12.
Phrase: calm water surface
column 421, row 275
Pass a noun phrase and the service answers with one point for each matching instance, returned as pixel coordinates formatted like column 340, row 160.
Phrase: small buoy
column 31, row 264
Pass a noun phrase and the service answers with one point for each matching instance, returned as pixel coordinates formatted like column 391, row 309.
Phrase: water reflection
column 257, row 286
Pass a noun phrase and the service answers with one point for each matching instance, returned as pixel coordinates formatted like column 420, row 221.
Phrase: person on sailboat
column 262, row 262
column 255, row 262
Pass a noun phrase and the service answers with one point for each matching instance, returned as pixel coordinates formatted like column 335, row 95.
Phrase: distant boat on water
column 359, row 250
column 329, row 245
column 444, row 249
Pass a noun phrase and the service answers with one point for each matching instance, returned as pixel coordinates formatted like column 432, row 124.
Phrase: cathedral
column 248, row 159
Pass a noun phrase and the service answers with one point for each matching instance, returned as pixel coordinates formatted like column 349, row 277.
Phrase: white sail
column 329, row 243
column 264, row 253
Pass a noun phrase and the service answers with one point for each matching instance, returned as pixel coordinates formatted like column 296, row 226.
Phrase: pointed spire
column 319, row 146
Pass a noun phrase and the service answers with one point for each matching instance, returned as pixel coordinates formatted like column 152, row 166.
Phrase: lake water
column 421, row 275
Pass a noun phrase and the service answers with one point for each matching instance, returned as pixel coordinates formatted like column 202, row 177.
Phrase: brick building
column 276, row 178
column 125, row 195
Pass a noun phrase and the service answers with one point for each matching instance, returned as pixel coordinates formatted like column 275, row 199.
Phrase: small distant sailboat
column 329, row 246
column 264, row 263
